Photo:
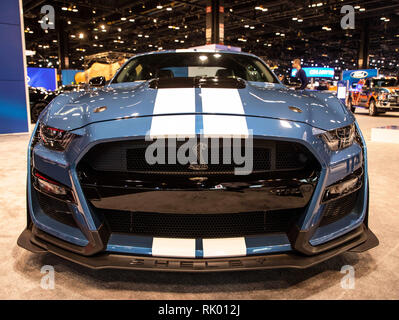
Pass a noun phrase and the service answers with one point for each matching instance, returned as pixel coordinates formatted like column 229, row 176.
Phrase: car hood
column 78, row 109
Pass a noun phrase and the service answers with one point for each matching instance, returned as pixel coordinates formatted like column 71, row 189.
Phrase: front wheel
column 372, row 108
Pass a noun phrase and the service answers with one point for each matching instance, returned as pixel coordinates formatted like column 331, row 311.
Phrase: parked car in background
column 39, row 98
column 378, row 95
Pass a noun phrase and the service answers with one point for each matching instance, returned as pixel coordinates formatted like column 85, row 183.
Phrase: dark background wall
column 13, row 104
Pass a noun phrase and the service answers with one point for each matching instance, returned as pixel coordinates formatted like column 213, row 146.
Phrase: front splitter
column 365, row 240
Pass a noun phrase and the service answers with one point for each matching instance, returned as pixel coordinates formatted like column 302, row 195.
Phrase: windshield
column 384, row 82
column 195, row 64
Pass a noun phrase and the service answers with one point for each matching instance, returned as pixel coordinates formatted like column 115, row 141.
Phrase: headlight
column 51, row 187
column 54, row 138
column 341, row 138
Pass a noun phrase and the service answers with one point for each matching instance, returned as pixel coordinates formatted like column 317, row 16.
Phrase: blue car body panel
column 129, row 114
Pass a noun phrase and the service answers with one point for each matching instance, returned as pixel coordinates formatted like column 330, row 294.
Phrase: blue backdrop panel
column 13, row 112
column 9, row 11
column 68, row 76
column 11, row 62
column 13, row 116
column 355, row 75
column 42, row 77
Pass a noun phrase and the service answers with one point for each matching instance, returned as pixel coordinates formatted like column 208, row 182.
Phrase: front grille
column 201, row 225
column 338, row 209
column 129, row 156
column 56, row 209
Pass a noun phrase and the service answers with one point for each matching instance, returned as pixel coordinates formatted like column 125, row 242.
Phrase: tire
column 36, row 110
column 372, row 108
column 351, row 107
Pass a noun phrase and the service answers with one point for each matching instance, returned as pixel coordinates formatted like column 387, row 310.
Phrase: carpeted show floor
column 376, row 271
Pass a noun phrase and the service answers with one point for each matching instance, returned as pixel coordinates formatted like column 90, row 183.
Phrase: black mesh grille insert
column 56, row 209
column 129, row 156
column 337, row 209
column 289, row 155
column 200, row 225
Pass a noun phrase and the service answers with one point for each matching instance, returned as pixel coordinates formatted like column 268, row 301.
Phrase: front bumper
column 358, row 240
column 391, row 104
column 305, row 245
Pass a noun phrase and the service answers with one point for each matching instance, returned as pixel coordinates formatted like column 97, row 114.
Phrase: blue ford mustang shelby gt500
column 195, row 160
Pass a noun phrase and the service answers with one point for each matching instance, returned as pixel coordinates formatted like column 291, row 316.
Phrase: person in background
column 301, row 75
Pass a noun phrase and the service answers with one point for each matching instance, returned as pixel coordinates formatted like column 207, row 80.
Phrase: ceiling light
column 159, row 7
column 168, row 9
column 362, row 9
column 123, row 18
column 203, row 58
column 260, row 8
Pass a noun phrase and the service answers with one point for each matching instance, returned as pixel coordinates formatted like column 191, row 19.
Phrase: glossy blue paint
column 320, row 110
column 130, row 244
column 267, row 244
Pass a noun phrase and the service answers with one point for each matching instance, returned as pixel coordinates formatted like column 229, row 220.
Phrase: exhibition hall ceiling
column 277, row 30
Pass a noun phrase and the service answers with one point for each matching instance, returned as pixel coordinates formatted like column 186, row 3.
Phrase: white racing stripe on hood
column 223, row 101
column 173, row 101
column 226, row 247
column 172, row 247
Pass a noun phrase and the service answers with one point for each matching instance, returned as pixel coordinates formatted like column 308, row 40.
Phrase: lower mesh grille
column 338, row 209
column 56, row 209
column 201, row 225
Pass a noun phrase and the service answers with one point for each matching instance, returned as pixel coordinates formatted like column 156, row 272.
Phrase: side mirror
column 97, row 81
